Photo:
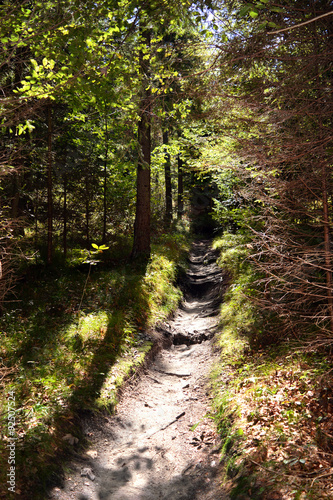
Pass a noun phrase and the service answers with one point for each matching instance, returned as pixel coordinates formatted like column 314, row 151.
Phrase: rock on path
column 161, row 444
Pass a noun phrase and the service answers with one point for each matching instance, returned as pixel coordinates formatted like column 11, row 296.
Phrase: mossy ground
column 69, row 340
column 273, row 402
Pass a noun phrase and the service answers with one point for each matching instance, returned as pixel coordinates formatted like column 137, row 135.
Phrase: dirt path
column 161, row 444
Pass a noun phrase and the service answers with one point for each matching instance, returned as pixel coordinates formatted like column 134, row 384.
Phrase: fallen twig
column 168, row 425
column 181, row 375
column 154, row 379
column 322, row 475
column 265, row 468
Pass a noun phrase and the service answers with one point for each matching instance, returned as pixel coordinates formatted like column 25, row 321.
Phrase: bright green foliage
column 82, row 60
column 240, row 319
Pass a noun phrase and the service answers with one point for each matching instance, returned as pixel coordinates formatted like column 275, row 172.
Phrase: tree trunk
column 36, row 214
column 105, row 179
column 18, row 229
column 327, row 246
column 65, row 216
column 167, row 177
column 141, row 244
column 49, row 187
column 87, row 212
column 180, row 198
column 324, row 173
column 15, row 196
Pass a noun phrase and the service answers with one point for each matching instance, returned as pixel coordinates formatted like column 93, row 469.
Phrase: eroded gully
column 161, row 444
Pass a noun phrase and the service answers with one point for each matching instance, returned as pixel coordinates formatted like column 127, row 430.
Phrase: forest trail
column 160, row 444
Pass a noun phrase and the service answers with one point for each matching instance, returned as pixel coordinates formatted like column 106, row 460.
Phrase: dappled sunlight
column 72, row 361
column 161, row 441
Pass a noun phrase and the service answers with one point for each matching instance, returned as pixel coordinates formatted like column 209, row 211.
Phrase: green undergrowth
column 239, row 316
column 273, row 402
column 71, row 337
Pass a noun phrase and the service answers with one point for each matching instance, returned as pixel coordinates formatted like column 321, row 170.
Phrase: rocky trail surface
column 161, row 444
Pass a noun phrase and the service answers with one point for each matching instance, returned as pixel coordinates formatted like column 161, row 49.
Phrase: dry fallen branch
column 320, row 476
column 167, row 425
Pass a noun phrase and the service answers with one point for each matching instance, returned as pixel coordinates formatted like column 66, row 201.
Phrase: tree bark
column 105, row 178
column 324, row 179
column 49, row 187
column 141, row 243
column 18, row 228
column 15, row 196
column 167, row 177
column 87, row 212
column 327, row 245
column 180, row 194
column 36, row 207
column 65, row 216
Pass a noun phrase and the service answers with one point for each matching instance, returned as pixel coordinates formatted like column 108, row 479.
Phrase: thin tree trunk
column 36, row 207
column 326, row 221
column 15, row 196
column 105, row 179
column 167, row 177
column 18, row 228
column 180, row 197
column 87, row 212
column 141, row 243
column 65, row 217
column 327, row 246
column 49, row 187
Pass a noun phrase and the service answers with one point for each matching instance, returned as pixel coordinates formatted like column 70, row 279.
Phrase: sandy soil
column 161, row 444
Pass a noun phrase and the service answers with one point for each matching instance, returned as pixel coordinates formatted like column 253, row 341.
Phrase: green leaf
column 244, row 10
column 94, row 246
column 195, row 426
column 263, row 25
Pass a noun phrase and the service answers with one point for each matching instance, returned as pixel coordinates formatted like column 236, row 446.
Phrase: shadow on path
column 161, row 444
